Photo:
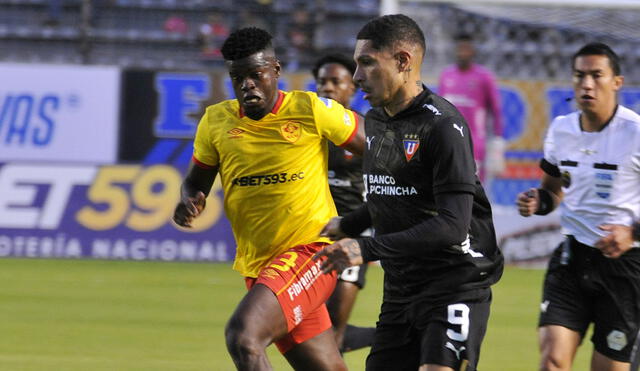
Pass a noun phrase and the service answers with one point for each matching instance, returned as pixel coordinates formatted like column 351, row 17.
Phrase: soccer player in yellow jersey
column 270, row 148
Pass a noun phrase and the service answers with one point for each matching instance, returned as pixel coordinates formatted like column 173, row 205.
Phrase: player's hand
column 340, row 255
column 616, row 242
column 188, row 209
column 528, row 202
column 332, row 229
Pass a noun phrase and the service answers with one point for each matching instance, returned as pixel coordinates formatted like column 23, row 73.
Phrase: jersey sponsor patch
column 410, row 148
column 604, row 184
column 326, row 101
column 291, row 131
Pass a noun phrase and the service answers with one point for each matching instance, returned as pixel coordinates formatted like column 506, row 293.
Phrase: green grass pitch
column 115, row 315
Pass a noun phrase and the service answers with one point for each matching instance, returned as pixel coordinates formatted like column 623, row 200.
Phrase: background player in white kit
column 592, row 172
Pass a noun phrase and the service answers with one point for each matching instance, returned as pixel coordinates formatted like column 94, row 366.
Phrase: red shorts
column 302, row 290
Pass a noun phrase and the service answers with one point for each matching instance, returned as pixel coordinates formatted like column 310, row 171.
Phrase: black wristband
column 635, row 231
column 545, row 204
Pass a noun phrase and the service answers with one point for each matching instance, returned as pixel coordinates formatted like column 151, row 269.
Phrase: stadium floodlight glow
column 391, row 6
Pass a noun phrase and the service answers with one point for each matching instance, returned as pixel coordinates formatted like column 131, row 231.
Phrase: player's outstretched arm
column 193, row 194
column 357, row 143
column 340, row 255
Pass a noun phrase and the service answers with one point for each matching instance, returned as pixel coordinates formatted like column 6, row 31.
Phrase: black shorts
column 417, row 333
column 354, row 275
column 582, row 286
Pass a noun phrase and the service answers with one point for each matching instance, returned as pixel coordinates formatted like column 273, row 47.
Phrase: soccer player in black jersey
column 434, row 231
column 333, row 74
column 591, row 170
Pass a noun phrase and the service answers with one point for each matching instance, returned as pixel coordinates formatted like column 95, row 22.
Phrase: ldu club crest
column 291, row 131
column 411, row 144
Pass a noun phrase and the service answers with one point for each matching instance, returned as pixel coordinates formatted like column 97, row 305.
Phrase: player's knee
column 554, row 361
column 240, row 341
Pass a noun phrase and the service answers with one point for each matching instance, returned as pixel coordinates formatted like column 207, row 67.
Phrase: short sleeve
column 449, row 145
column 204, row 151
column 549, row 146
column 333, row 121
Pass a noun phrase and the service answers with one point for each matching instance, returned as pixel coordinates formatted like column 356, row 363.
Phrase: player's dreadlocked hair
column 596, row 48
column 341, row 59
column 244, row 42
column 388, row 30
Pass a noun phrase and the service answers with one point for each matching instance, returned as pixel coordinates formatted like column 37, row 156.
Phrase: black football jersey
column 422, row 154
column 345, row 179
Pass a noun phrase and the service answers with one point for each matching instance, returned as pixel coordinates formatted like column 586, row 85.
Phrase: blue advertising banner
column 105, row 212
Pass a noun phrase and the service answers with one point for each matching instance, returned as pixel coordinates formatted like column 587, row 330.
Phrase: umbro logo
column 235, row 133
column 459, row 128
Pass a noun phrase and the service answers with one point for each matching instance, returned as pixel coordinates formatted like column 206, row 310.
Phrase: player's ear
column 277, row 67
column 617, row 82
column 403, row 60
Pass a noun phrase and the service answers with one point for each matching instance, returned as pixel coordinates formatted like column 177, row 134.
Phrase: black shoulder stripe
column 568, row 163
column 549, row 168
column 604, row 166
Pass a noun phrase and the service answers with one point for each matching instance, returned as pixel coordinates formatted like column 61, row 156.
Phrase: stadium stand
column 143, row 34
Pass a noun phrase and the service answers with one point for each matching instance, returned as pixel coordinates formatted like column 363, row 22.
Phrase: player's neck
column 404, row 97
column 593, row 121
column 465, row 66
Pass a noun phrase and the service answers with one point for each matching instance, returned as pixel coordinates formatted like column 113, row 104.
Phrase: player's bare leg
column 319, row 353
column 256, row 322
column 339, row 306
column 600, row 362
column 431, row 367
column 558, row 346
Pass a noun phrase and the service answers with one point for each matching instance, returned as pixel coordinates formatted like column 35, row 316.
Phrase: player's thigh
column 453, row 332
column 341, row 302
column 319, row 353
column 396, row 346
column 558, row 345
column 617, row 308
column 564, row 301
column 259, row 316
column 298, row 283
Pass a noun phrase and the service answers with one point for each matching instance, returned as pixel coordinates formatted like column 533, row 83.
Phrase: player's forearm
column 356, row 222
column 198, row 180
column 444, row 231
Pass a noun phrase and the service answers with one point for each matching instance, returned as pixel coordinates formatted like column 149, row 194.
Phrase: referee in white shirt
column 591, row 170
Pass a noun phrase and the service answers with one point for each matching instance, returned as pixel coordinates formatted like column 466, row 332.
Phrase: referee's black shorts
column 582, row 286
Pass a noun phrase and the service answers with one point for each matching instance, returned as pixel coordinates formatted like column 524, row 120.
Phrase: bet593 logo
column 140, row 198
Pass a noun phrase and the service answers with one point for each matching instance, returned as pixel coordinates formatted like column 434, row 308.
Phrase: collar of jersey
column 274, row 110
column 603, row 126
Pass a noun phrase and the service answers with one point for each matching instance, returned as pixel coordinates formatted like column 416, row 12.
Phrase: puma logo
column 432, row 109
column 453, row 348
column 459, row 128
column 369, row 141
column 544, row 305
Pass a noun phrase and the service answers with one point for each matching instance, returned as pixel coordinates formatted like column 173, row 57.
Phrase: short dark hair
column 597, row 48
column 388, row 30
column 463, row 36
column 245, row 42
column 340, row 59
